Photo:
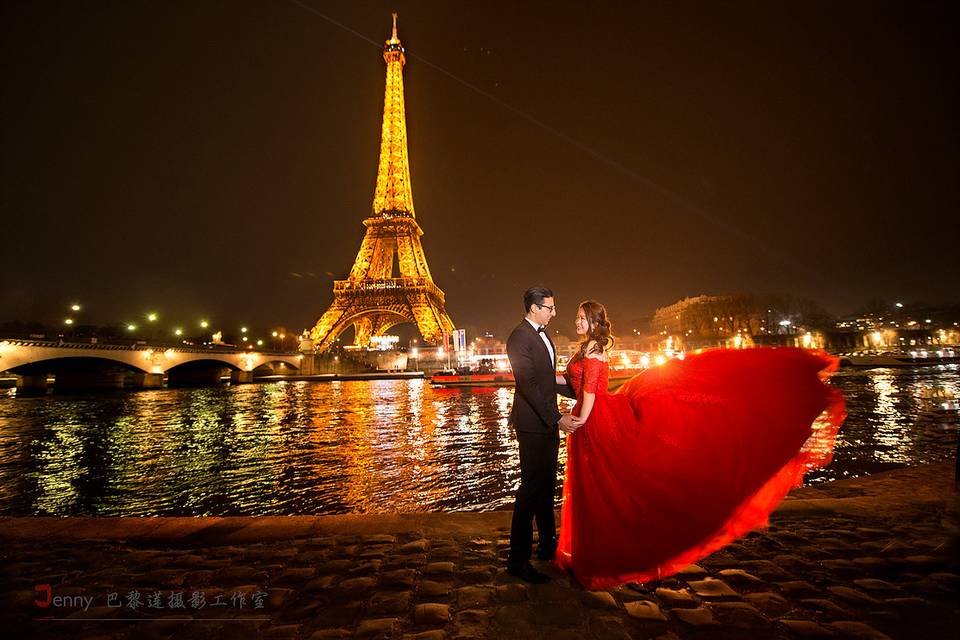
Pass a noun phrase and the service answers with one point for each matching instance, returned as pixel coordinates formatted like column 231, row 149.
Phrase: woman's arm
column 587, row 405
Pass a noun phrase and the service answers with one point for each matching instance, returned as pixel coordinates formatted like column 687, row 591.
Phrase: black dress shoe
column 526, row 572
column 547, row 550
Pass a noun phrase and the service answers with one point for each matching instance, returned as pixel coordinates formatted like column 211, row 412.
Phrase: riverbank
column 870, row 557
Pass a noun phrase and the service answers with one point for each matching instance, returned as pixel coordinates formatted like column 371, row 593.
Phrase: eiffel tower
column 371, row 298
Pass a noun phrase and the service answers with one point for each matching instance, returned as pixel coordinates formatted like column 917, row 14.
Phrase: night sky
column 216, row 159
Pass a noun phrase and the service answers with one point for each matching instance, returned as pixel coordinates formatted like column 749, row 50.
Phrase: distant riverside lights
column 131, row 327
column 75, row 307
column 152, row 317
column 204, row 324
column 899, row 305
column 68, row 321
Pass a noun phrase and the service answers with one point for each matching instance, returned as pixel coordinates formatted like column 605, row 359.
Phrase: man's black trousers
column 538, row 481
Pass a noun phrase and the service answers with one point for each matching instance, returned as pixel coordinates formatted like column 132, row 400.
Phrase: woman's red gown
column 688, row 456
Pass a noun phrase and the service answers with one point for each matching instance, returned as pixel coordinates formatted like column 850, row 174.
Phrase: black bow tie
column 540, row 330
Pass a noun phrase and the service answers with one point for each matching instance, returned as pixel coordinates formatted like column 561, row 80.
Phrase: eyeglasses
column 547, row 306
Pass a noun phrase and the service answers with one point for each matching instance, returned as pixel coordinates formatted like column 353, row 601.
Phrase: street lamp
column 75, row 307
column 415, row 354
column 204, row 324
column 152, row 317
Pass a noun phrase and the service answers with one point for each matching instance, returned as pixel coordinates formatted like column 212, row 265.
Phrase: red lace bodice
column 587, row 374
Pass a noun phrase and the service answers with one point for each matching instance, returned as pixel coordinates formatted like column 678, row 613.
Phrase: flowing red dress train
column 688, row 456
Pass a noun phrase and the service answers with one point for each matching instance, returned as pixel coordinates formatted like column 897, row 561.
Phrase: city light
column 131, row 327
column 899, row 305
column 178, row 332
column 243, row 329
column 75, row 307
column 152, row 317
column 204, row 324
column 259, row 343
column 68, row 321
column 274, row 334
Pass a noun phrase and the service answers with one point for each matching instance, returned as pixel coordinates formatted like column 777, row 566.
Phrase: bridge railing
column 139, row 346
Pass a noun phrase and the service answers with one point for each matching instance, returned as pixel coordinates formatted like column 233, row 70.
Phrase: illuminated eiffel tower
column 371, row 298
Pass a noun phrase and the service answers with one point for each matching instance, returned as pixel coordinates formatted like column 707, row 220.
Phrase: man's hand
column 569, row 423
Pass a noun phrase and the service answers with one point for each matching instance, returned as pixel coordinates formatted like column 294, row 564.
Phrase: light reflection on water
column 340, row 447
column 894, row 419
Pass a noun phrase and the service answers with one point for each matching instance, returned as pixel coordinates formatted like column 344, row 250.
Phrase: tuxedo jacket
column 534, row 370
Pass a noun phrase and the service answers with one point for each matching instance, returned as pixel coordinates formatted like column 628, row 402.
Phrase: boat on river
column 469, row 378
column 913, row 358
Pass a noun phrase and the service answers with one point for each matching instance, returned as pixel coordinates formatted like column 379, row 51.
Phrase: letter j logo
column 48, row 593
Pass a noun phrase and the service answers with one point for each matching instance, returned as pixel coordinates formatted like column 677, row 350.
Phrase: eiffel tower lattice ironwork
column 371, row 298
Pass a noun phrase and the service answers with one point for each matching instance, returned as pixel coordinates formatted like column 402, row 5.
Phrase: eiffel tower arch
column 372, row 299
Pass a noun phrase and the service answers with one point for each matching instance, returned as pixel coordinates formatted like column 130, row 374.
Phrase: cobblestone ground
column 833, row 565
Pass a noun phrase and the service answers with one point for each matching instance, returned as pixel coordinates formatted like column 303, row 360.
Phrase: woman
column 687, row 456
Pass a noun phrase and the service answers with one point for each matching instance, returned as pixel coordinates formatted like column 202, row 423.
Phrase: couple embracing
column 681, row 460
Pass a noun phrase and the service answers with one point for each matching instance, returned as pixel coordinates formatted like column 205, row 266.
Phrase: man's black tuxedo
column 535, row 417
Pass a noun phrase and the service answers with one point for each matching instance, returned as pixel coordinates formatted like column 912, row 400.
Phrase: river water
column 357, row 447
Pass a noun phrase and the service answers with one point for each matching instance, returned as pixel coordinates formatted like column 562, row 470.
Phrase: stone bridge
column 85, row 365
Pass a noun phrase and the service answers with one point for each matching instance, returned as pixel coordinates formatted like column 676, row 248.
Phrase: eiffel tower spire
column 372, row 299
column 393, row 195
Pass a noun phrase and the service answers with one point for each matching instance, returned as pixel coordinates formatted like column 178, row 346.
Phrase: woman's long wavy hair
column 599, row 329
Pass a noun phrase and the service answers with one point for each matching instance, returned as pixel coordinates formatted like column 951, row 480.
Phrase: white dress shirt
column 546, row 341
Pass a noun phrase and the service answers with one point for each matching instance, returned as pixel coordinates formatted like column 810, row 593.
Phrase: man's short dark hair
column 535, row 295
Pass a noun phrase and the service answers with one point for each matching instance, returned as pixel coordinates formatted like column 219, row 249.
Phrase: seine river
column 356, row 447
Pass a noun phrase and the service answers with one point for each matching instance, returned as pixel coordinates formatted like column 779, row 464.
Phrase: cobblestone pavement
column 864, row 558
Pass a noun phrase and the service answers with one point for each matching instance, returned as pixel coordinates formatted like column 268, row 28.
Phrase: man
column 537, row 422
